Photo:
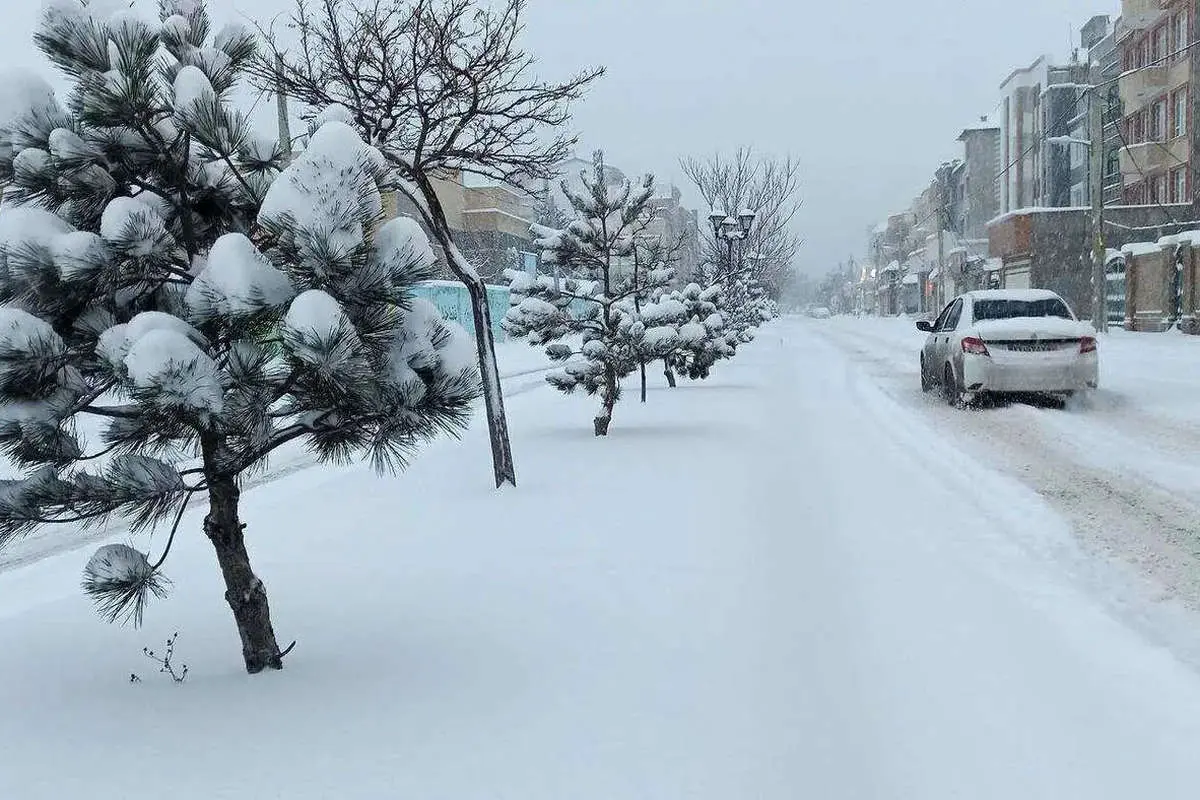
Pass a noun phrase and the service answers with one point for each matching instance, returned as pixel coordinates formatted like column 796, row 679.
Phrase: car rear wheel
column 955, row 395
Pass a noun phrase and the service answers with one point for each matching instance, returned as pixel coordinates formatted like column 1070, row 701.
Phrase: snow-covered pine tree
column 704, row 338
column 174, row 308
column 601, row 310
column 547, row 213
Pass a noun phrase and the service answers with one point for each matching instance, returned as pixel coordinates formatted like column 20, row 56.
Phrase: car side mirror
column 925, row 326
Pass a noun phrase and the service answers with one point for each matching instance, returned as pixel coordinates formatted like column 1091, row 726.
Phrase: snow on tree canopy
column 20, row 330
column 316, row 190
column 177, row 27
column 402, row 239
column 692, row 333
column 77, row 254
column 115, row 343
column 229, row 34
column 66, row 144
column 180, row 374
column 183, row 8
column 427, row 336
column 315, row 313
column 117, row 563
column 333, row 113
column 25, row 226
column 133, row 223
column 238, row 279
column 192, row 86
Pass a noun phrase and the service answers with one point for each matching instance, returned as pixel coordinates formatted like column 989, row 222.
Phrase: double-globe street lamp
column 733, row 231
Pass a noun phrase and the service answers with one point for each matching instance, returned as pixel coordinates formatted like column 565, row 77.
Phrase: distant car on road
column 1007, row 341
column 820, row 312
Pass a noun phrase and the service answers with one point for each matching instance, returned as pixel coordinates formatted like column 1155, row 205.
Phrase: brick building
column 1153, row 37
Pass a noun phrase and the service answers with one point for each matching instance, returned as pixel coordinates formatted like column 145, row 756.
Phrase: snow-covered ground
column 521, row 369
column 798, row 579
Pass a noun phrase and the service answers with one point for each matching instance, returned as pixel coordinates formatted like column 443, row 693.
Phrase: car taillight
column 1087, row 344
column 975, row 346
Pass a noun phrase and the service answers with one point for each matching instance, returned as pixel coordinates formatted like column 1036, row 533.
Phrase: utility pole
column 941, row 215
column 281, row 105
column 1095, row 182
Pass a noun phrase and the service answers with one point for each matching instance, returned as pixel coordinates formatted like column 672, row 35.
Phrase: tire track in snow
column 1121, row 514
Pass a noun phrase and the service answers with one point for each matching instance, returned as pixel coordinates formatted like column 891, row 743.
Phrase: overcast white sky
column 870, row 95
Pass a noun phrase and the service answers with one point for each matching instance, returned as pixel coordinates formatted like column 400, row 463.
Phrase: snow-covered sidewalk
column 522, row 369
column 757, row 587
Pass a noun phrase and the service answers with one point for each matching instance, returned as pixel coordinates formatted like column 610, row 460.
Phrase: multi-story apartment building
column 1154, row 37
column 1040, row 106
column 490, row 222
column 1099, row 38
column 978, row 192
column 675, row 225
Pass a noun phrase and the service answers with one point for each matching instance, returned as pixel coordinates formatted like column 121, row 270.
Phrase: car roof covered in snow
column 1025, row 295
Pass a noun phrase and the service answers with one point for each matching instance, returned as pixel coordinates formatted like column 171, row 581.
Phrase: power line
column 1095, row 89
column 1145, row 178
column 1148, row 65
column 1067, row 115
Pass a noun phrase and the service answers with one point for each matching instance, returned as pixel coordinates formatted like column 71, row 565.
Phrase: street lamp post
column 731, row 230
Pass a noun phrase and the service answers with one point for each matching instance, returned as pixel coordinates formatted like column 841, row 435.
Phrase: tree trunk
column 669, row 373
column 608, row 399
column 504, row 469
column 243, row 590
column 642, row 366
column 493, row 396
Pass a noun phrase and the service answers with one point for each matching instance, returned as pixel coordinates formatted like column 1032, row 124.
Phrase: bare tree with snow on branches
column 768, row 186
column 437, row 86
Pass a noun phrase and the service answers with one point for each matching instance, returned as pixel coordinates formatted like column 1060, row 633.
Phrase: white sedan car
column 1008, row 341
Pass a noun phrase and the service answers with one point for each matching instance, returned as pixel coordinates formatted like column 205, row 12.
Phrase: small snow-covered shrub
column 602, row 306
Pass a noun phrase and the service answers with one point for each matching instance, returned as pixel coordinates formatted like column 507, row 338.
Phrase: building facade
column 1099, row 38
column 1020, row 136
column 1048, row 248
column 675, row 225
column 489, row 221
column 980, row 187
column 1153, row 37
column 1041, row 109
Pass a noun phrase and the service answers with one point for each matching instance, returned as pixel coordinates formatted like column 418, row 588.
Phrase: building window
column 1179, row 123
column 1182, row 34
column 1179, row 186
column 1158, row 189
column 1158, row 121
column 1162, row 41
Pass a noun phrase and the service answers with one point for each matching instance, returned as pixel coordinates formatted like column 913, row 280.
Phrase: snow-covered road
column 788, row 581
column 941, row 646
column 1121, row 469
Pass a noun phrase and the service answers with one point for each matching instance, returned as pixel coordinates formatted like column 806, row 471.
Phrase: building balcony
column 1139, row 15
column 1144, row 85
column 1147, row 158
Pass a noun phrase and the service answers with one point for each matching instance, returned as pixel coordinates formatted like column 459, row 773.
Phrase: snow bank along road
column 781, row 583
column 1121, row 468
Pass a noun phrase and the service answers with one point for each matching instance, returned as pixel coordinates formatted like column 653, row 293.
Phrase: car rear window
column 1011, row 309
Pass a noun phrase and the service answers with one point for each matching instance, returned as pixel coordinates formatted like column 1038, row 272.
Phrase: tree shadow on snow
column 631, row 432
